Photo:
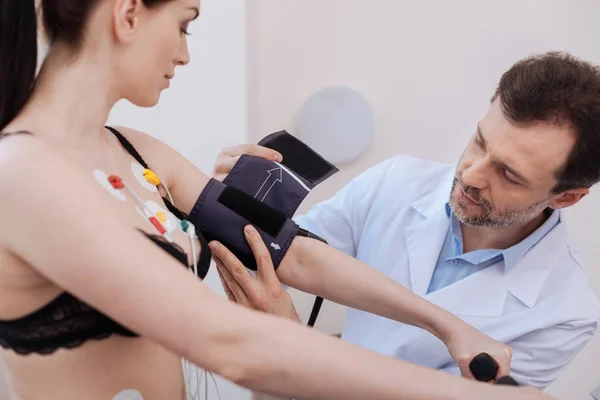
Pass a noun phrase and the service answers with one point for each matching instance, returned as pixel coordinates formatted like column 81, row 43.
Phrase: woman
column 94, row 301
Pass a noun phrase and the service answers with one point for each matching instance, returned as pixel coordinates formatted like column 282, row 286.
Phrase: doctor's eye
column 506, row 176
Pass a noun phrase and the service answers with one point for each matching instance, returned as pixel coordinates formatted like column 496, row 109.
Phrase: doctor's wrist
column 443, row 325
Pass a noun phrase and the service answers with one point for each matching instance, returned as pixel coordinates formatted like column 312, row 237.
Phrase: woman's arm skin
column 264, row 293
column 318, row 269
column 256, row 292
column 313, row 267
column 65, row 225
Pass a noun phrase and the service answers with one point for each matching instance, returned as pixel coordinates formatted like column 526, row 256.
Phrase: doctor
column 485, row 238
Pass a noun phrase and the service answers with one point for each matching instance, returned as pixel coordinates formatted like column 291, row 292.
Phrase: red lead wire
column 158, row 225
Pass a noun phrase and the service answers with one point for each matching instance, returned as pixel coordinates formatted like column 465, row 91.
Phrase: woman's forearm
column 316, row 268
column 272, row 355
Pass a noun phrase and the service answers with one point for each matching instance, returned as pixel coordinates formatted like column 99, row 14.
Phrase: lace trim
column 66, row 322
column 24, row 351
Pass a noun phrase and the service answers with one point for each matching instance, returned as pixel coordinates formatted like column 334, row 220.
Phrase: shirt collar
column 513, row 254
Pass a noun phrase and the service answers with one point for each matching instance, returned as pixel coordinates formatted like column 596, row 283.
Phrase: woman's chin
column 147, row 101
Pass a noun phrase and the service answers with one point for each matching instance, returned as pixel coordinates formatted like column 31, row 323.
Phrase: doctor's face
column 506, row 173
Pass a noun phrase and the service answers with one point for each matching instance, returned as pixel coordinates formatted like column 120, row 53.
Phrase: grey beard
column 505, row 218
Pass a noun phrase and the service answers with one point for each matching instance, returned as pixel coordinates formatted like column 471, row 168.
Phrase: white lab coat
column 392, row 217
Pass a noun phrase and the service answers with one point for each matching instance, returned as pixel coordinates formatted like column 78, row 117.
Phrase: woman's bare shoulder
column 159, row 156
column 152, row 149
column 22, row 155
column 183, row 178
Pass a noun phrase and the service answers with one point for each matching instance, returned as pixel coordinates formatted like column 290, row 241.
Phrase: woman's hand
column 263, row 293
column 230, row 155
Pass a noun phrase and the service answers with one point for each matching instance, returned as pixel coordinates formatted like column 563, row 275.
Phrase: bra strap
column 134, row 153
column 128, row 146
column 7, row 134
column 205, row 254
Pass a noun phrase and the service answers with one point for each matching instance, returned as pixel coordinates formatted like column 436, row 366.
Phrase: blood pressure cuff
column 222, row 212
column 264, row 194
column 283, row 186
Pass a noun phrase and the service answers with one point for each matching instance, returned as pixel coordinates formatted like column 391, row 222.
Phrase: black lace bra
column 67, row 322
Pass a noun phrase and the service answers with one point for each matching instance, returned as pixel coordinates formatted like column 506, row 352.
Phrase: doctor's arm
column 318, row 269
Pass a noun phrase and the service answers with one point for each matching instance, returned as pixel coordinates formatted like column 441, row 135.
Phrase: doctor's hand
column 230, row 155
column 467, row 342
column 263, row 293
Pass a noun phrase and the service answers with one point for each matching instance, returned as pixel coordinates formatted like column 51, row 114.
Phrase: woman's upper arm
column 61, row 222
column 184, row 179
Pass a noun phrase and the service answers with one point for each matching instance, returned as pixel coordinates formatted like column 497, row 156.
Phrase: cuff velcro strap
column 301, row 159
column 285, row 185
column 222, row 212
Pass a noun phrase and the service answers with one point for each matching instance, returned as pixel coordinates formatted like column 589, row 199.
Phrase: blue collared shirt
column 454, row 265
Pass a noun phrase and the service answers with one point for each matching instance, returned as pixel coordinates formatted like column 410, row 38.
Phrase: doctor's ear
column 568, row 198
column 126, row 16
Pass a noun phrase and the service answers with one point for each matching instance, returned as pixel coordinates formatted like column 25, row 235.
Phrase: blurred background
column 426, row 68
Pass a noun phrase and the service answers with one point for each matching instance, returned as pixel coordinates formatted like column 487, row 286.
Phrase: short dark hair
column 558, row 88
column 63, row 20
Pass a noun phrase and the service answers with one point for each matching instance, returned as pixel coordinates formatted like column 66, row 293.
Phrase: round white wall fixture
column 129, row 394
column 338, row 123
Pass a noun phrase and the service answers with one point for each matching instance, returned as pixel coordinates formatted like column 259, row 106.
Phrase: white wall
column 428, row 68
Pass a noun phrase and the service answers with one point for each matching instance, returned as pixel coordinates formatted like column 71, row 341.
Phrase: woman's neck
column 71, row 100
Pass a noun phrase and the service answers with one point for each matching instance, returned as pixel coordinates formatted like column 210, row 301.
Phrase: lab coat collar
column 483, row 293
column 426, row 234
column 434, row 202
column 526, row 279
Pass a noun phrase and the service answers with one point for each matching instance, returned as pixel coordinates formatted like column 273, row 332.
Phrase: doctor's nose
column 475, row 176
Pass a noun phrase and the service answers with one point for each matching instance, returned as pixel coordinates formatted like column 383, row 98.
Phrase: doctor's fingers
column 229, row 156
column 228, row 292
column 223, row 166
column 232, row 288
column 266, row 270
column 252, row 150
column 234, row 266
column 465, row 370
column 503, row 359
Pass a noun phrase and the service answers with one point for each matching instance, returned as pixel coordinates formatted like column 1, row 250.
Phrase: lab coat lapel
column 484, row 293
column 425, row 236
column 526, row 279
